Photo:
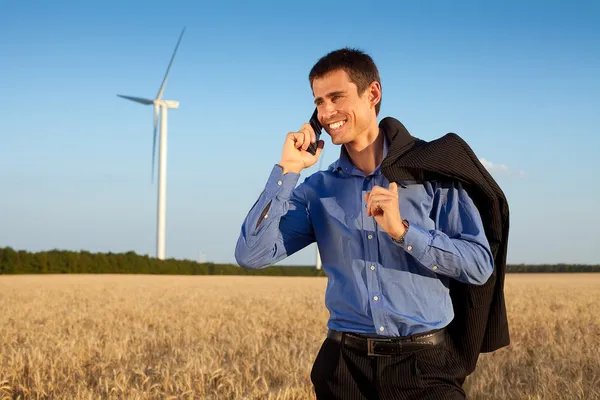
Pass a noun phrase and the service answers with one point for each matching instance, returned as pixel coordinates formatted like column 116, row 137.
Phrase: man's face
column 342, row 112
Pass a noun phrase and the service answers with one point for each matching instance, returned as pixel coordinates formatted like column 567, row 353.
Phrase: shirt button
column 375, row 298
column 370, row 236
column 409, row 247
column 372, row 268
column 279, row 182
column 434, row 267
column 381, row 328
column 266, row 215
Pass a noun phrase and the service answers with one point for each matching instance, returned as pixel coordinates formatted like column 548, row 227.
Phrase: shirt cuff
column 280, row 184
column 417, row 242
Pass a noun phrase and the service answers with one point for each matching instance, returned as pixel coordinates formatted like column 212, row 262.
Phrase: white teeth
column 337, row 124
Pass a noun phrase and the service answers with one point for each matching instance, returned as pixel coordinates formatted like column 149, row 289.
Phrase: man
column 392, row 251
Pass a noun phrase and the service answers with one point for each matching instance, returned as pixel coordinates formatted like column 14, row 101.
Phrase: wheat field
column 234, row 337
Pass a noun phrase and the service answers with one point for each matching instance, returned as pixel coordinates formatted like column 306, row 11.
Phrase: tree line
column 85, row 262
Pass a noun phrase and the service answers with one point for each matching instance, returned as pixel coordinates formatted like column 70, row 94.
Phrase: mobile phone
column 316, row 125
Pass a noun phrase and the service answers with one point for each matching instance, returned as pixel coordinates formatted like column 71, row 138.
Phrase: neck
column 366, row 151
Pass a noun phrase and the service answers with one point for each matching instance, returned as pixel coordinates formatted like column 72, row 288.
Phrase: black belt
column 388, row 346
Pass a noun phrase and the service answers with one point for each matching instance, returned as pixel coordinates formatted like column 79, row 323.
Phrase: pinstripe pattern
column 345, row 373
column 480, row 323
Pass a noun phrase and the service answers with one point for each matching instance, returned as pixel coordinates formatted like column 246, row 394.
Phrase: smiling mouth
column 337, row 125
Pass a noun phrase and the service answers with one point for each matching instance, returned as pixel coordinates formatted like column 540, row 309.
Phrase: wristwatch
column 400, row 240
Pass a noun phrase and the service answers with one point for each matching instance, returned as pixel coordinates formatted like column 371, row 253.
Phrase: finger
column 370, row 197
column 387, row 199
column 378, row 189
column 320, row 145
column 372, row 204
column 303, row 131
column 380, row 207
column 379, row 203
column 298, row 139
column 382, row 196
column 307, row 138
column 375, row 207
column 392, row 188
column 367, row 201
column 311, row 132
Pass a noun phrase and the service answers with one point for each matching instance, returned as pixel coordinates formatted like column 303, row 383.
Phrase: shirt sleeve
column 458, row 247
column 277, row 225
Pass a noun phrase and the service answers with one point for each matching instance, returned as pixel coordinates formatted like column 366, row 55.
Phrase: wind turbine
column 162, row 106
column 319, row 262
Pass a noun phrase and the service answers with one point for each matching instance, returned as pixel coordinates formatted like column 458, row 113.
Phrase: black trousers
column 340, row 372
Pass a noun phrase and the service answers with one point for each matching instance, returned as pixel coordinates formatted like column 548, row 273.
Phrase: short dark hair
column 359, row 66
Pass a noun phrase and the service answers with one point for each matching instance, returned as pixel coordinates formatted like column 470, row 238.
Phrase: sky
column 519, row 81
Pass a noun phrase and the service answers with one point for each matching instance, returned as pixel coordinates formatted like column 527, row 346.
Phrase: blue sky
column 520, row 82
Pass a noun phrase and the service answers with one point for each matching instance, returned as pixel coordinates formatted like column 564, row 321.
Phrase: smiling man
column 392, row 248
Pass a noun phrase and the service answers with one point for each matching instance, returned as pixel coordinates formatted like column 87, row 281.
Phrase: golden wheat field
column 233, row 337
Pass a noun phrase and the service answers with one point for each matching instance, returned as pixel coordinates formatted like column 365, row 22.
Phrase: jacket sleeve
column 277, row 225
column 458, row 247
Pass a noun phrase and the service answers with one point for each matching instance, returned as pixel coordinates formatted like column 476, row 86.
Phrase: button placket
column 371, row 252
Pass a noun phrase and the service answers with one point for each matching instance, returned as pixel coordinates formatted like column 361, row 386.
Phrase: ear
column 374, row 91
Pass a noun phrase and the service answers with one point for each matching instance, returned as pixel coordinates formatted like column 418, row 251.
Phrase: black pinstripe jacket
column 480, row 324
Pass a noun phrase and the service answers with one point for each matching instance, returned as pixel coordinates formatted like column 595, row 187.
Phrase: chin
column 337, row 139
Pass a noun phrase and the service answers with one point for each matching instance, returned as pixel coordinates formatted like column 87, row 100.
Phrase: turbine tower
column 319, row 263
column 160, row 108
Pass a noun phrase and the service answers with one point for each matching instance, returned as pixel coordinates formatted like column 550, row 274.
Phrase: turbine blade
column 154, row 140
column 162, row 87
column 137, row 99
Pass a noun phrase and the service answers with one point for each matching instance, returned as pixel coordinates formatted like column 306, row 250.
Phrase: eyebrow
column 330, row 94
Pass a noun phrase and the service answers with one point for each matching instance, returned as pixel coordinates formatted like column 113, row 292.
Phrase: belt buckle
column 371, row 347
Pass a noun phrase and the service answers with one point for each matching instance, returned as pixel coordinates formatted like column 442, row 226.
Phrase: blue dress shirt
column 375, row 285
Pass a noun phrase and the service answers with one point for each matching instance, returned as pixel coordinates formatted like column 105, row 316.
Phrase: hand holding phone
column 294, row 157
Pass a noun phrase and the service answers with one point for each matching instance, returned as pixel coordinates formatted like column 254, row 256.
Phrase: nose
column 327, row 111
